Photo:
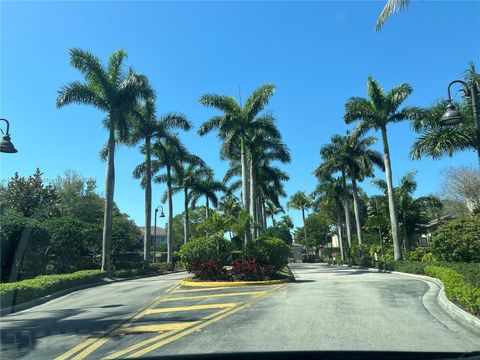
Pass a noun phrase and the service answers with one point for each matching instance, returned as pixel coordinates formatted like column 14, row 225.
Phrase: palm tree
column 329, row 196
column 147, row 128
column 336, row 159
column 208, row 187
column 168, row 154
column 230, row 207
column 115, row 92
column 391, row 7
column 437, row 141
column 301, row 201
column 236, row 122
column 376, row 113
column 272, row 209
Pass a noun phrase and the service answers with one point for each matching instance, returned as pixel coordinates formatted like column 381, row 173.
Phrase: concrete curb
column 29, row 304
column 232, row 283
column 455, row 312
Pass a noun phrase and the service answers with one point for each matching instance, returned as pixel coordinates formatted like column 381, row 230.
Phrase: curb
column 455, row 312
column 232, row 283
column 105, row 281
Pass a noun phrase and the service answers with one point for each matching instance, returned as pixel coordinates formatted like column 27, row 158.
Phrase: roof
column 160, row 231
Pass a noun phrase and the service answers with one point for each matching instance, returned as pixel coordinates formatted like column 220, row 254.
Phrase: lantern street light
column 452, row 116
column 6, row 145
column 155, row 227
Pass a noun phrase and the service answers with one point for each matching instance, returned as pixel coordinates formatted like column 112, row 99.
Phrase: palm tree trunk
column 273, row 220
column 340, row 237
column 170, row 217
column 264, row 215
column 206, row 214
column 107, row 217
column 245, row 192
column 356, row 209
column 304, row 231
column 253, row 200
column 397, row 253
column 346, row 209
column 148, row 206
column 186, row 221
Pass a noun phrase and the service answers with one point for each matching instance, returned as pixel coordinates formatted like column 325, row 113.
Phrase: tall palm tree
column 115, row 92
column 303, row 202
column 147, row 128
column 329, row 196
column 391, row 7
column 272, row 210
column 230, row 207
column 335, row 158
column 376, row 113
column 168, row 153
column 236, row 122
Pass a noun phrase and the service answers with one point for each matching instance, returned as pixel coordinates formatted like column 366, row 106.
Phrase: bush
column 26, row 290
column 251, row 269
column 204, row 256
column 456, row 288
column 126, row 273
column 458, row 240
column 360, row 255
column 268, row 251
column 279, row 231
column 162, row 266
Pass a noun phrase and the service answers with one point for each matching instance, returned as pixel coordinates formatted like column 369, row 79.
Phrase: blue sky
column 317, row 53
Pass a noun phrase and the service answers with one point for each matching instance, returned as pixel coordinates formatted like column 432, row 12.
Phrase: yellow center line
column 111, row 330
column 162, row 327
column 200, row 326
column 156, row 338
column 215, row 295
column 189, row 308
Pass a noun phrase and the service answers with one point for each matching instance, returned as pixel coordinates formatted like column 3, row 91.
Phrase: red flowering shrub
column 210, row 270
column 250, row 269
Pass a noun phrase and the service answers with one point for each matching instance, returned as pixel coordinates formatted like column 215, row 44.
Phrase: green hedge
column 457, row 288
column 26, row 290
column 268, row 251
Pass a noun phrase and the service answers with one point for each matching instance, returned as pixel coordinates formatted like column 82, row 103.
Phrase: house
column 157, row 237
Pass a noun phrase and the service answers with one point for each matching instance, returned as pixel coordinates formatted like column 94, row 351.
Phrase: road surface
column 327, row 308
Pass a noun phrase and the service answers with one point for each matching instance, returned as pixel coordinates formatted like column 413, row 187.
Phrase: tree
column 317, row 227
column 391, row 7
column 272, row 209
column 376, row 113
column 115, row 92
column 437, row 141
column 147, row 128
column 462, row 184
column 301, row 201
column 236, row 123
column 168, row 153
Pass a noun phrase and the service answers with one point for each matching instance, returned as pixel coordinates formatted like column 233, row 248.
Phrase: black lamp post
column 453, row 117
column 6, row 145
column 155, row 227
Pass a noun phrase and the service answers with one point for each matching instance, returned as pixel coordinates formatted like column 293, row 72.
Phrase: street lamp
column 155, row 226
column 452, row 116
column 6, row 145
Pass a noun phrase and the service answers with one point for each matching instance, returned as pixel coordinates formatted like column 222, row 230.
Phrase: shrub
column 26, row 290
column 126, row 273
column 458, row 240
column 162, row 266
column 456, row 288
column 360, row 255
column 268, row 251
column 279, row 231
column 251, row 269
column 203, row 255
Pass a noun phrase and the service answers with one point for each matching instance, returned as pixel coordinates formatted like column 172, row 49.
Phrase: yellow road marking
column 215, row 295
column 190, row 308
column 162, row 327
column 200, row 326
column 75, row 349
column 204, row 289
column 111, row 330
column 156, row 338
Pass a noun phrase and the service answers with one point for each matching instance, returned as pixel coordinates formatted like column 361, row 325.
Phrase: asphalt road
column 325, row 309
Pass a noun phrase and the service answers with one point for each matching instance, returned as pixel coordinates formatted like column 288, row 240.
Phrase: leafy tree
column 115, row 92
column 376, row 113
column 147, row 128
column 279, row 231
column 318, row 228
column 462, row 184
